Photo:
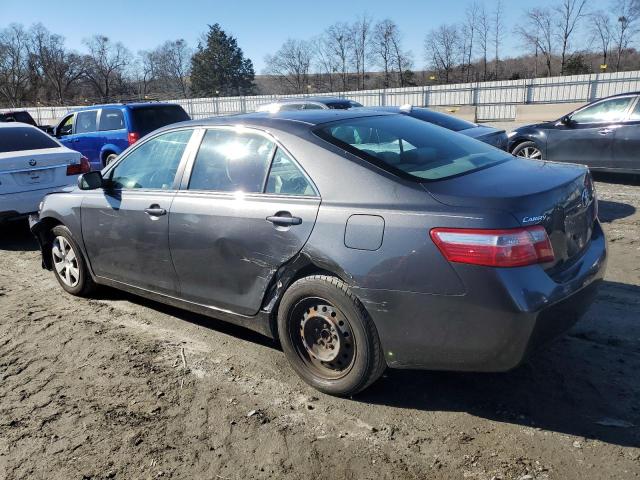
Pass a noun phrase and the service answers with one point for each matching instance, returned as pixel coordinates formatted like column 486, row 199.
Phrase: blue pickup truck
column 102, row 132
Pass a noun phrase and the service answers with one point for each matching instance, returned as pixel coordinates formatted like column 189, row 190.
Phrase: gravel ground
column 93, row 389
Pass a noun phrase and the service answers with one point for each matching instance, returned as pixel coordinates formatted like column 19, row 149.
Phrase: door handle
column 284, row 219
column 605, row 131
column 155, row 211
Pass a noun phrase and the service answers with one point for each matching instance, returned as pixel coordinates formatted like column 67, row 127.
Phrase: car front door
column 64, row 131
column 125, row 226
column 245, row 207
column 85, row 138
column 587, row 137
column 626, row 143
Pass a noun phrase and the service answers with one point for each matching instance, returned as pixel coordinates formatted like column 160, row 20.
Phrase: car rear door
column 125, row 226
column 588, row 137
column 245, row 207
column 626, row 143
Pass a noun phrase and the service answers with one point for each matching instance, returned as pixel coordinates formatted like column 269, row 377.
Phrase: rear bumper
column 20, row 204
column 503, row 316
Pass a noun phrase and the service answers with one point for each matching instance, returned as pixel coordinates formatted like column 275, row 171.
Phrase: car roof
column 289, row 120
column 323, row 100
column 127, row 105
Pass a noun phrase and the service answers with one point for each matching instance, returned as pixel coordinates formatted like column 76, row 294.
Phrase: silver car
column 359, row 239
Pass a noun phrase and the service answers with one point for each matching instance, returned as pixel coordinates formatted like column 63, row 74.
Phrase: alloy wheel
column 65, row 261
column 530, row 152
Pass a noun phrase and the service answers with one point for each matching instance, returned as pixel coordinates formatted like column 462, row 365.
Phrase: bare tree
column 471, row 24
column 105, row 66
column 60, row 68
column 175, row 64
column 498, row 25
column 338, row 42
column 602, row 32
column 383, row 33
column 403, row 59
column 326, row 62
column 627, row 13
column 14, row 64
column 569, row 14
column 484, row 28
column 537, row 29
column 441, row 47
column 361, row 39
column 292, row 63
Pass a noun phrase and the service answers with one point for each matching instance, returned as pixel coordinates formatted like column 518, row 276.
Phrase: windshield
column 149, row 118
column 411, row 147
column 24, row 138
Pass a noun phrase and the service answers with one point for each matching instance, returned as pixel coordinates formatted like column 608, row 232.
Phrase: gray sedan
column 360, row 240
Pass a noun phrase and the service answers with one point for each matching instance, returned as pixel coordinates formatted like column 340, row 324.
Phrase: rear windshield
column 24, row 138
column 147, row 119
column 442, row 119
column 343, row 104
column 411, row 148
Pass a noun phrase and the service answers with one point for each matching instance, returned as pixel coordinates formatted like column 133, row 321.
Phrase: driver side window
column 153, row 165
column 604, row 112
column 66, row 126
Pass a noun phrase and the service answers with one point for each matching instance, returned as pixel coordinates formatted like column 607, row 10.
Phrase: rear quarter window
column 149, row 118
column 24, row 138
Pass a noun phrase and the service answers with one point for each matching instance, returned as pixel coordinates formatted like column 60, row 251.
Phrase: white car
column 33, row 164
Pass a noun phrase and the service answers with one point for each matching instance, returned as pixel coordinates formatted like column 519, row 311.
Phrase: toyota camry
column 360, row 240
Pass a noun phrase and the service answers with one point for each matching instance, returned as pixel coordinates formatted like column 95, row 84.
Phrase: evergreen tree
column 218, row 68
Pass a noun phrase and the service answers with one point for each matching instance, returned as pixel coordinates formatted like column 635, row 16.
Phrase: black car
column 604, row 135
column 492, row 136
column 18, row 116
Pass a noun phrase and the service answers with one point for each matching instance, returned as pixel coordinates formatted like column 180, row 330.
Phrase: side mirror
column 566, row 120
column 90, row 181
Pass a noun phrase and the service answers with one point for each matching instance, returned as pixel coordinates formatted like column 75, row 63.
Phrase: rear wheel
column 328, row 337
column 69, row 266
column 527, row 150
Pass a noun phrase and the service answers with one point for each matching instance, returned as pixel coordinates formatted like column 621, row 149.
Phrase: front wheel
column 110, row 158
column 69, row 266
column 328, row 337
column 527, row 150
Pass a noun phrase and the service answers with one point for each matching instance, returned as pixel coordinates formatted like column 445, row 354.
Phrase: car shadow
column 15, row 236
column 609, row 211
column 584, row 384
column 619, row 178
column 242, row 333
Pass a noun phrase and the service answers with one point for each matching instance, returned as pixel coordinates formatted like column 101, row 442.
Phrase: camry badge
column 33, row 162
column 536, row 219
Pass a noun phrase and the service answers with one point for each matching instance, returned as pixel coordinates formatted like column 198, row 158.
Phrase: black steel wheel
column 328, row 337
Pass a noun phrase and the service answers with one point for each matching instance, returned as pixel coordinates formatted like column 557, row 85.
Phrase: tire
column 528, row 150
column 110, row 158
column 69, row 267
column 319, row 318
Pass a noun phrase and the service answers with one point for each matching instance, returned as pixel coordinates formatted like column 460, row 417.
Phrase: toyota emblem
column 33, row 162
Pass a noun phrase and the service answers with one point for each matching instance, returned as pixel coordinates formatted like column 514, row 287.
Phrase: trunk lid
column 558, row 196
column 27, row 170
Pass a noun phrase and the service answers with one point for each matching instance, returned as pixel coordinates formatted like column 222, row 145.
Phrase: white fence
column 494, row 101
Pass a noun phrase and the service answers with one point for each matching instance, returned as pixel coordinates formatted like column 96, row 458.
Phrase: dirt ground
column 95, row 389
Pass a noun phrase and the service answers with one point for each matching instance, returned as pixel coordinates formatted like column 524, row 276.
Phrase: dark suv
column 102, row 132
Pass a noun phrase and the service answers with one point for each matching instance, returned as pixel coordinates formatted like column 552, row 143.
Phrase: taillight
column 133, row 137
column 494, row 248
column 76, row 168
